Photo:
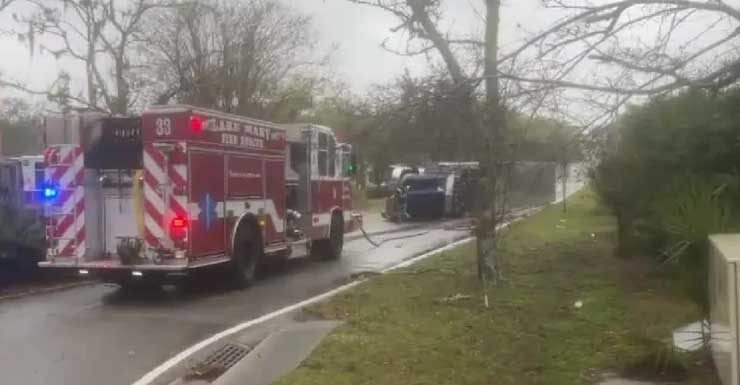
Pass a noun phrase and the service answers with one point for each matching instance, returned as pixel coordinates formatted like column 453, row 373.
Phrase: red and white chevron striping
column 66, row 212
column 165, row 195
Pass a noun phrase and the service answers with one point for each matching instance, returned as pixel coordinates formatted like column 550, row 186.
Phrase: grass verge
column 427, row 324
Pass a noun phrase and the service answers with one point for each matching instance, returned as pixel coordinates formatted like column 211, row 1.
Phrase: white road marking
column 167, row 365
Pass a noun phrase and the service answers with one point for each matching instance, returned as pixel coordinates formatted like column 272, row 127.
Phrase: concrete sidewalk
column 280, row 352
column 268, row 351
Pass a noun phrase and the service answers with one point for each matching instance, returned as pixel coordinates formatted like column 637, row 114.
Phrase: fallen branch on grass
column 366, row 274
column 454, row 298
column 424, row 271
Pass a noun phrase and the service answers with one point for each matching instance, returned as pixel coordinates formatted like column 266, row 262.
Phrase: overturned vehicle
column 441, row 190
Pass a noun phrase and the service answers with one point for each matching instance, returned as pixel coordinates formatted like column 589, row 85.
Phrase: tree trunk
column 489, row 131
column 624, row 236
column 491, row 70
column 92, row 92
column 421, row 14
column 120, row 106
column 564, row 177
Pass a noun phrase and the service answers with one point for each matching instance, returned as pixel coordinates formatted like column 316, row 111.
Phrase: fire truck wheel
column 332, row 248
column 247, row 253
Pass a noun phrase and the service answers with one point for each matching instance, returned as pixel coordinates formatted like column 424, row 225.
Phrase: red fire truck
column 183, row 188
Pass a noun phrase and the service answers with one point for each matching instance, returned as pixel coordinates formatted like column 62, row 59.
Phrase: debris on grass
column 205, row 373
column 454, row 298
column 691, row 337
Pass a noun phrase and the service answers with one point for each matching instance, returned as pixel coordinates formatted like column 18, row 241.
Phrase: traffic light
column 351, row 168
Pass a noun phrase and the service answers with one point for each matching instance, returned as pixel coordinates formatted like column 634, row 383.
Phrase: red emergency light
column 179, row 229
column 179, row 223
column 196, row 124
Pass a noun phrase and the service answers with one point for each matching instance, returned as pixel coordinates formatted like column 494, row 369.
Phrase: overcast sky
column 359, row 30
column 356, row 30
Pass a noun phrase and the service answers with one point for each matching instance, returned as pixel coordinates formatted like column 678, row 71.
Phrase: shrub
column 670, row 176
column 690, row 208
column 21, row 236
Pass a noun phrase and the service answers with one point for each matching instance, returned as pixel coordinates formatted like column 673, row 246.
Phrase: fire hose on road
column 380, row 243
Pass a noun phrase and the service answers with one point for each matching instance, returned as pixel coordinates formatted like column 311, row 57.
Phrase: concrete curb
column 45, row 290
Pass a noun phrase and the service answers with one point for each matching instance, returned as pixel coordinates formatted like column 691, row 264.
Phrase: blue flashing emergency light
column 50, row 192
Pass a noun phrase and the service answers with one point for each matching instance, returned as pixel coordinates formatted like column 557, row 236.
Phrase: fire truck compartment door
column 120, row 217
column 207, row 203
column 275, row 200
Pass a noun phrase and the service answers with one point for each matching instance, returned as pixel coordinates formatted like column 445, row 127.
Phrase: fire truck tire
column 331, row 248
column 247, row 254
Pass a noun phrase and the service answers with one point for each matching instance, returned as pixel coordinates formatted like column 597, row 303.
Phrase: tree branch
column 611, row 12
column 5, row 3
column 50, row 94
column 590, row 87
column 420, row 14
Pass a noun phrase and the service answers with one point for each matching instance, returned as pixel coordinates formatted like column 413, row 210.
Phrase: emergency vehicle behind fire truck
column 183, row 188
column 21, row 179
column 21, row 202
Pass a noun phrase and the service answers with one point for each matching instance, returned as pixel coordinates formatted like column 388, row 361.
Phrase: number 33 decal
column 163, row 127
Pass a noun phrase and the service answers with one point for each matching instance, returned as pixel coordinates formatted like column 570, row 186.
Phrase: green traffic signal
column 351, row 169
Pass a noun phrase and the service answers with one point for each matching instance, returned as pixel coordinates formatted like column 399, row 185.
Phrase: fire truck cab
column 182, row 188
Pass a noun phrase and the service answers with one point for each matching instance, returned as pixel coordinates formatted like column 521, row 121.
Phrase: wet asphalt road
column 100, row 335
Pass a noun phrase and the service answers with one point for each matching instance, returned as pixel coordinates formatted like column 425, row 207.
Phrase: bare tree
column 99, row 34
column 610, row 53
column 5, row 3
column 597, row 55
column 485, row 137
column 605, row 54
column 233, row 55
column 647, row 47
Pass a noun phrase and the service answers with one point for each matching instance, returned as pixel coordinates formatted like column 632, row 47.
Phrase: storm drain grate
column 218, row 362
column 226, row 357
